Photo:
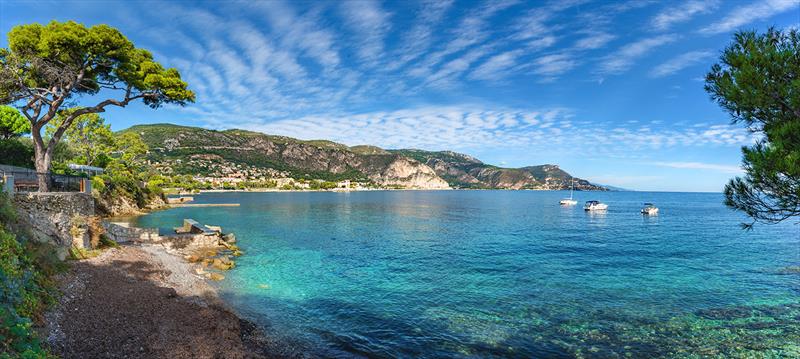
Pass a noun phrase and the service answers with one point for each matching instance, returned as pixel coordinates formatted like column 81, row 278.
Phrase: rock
column 199, row 271
column 222, row 264
column 236, row 253
column 263, row 286
column 192, row 258
column 230, row 238
column 215, row 276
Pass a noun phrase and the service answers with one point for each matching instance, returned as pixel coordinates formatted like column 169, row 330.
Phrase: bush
column 16, row 152
column 25, row 288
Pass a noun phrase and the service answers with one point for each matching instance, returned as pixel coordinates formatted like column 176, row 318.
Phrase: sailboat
column 569, row 201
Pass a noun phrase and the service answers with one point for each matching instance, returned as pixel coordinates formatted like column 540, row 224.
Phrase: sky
column 611, row 91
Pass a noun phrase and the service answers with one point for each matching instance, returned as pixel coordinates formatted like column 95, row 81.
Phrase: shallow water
column 507, row 273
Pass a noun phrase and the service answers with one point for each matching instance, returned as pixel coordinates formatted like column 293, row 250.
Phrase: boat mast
column 573, row 187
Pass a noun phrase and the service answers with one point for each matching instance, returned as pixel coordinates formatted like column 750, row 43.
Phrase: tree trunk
column 42, row 160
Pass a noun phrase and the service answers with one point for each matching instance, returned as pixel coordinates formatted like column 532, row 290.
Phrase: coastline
column 143, row 301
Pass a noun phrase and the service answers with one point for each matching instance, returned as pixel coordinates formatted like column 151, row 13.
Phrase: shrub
column 26, row 288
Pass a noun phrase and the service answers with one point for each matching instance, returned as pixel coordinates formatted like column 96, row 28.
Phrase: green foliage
column 89, row 137
column 328, row 185
column 49, row 65
column 130, row 146
column 106, row 242
column 12, row 123
column 16, row 152
column 758, row 83
column 25, row 288
column 102, row 53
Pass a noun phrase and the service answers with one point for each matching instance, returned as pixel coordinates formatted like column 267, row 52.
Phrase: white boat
column 569, row 201
column 595, row 206
column 649, row 209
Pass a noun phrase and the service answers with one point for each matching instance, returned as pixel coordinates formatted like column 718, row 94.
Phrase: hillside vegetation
column 251, row 155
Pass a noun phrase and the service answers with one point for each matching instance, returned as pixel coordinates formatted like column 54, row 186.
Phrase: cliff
column 465, row 171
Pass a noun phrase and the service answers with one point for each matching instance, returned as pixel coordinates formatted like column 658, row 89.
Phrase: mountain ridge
column 234, row 152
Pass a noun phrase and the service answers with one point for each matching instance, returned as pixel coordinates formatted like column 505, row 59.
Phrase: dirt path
column 139, row 302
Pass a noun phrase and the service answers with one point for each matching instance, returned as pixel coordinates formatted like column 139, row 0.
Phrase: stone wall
column 60, row 218
column 122, row 232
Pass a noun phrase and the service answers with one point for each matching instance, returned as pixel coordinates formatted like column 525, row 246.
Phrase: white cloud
column 417, row 41
column 680, row 62
column 470, row 127
column 758, row 10
column 621, row 60
column 702, row 166
column 496, row 67
column 594, row 41
column 681, row 13
column 554, row 65
column 300, row 32
column 471, row 31
column 370, row 23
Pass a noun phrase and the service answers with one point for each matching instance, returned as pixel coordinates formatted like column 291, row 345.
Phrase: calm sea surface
column 507, row 273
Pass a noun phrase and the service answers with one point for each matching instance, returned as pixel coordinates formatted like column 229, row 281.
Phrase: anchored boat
column 569, row 201
column 595, row 206
column 649, row 209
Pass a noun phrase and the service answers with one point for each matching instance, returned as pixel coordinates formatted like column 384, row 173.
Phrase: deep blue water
column 507, row 273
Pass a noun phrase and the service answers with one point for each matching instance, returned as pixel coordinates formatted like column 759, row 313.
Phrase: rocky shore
column 140, row 301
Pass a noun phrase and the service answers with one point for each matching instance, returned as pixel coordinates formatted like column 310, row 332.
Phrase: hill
column 464, row 171
column 252, row 155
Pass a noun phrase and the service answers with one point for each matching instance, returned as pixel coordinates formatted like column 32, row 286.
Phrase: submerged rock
column 215, row 276
column 230, row 238
column 223, row 263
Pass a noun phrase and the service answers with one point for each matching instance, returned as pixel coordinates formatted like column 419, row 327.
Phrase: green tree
column 90, row 137
column 12, row 123
column 130, row 146
column 48, row 66
column 758, row 83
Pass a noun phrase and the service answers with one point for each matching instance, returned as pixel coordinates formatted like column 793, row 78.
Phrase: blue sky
column 610, row 91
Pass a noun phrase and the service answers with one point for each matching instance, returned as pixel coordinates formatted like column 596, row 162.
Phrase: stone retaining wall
column 121, row 233
column 60, row 218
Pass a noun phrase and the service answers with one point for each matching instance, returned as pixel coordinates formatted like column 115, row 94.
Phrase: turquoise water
column 507, row 274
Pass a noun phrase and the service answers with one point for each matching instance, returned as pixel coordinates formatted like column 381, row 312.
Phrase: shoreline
column 141, row 300
column 270, row 190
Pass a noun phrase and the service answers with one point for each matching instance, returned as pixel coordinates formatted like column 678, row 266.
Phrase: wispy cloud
column 594, row 41
column 468, row 126
column 680, row 62
column 621, row 60
column 496, row 67
column 758, row 10
column 702, row 166
column 370, row 23
column 418, row 40
column 680, row 13
column 554, row 65
column 300, row 32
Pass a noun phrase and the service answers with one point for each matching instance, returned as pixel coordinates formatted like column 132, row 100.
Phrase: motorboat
column 649, row 209
column 595, row 206
column 569, row 201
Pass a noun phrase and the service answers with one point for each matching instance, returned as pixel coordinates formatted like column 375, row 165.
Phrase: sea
column 495, row 273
